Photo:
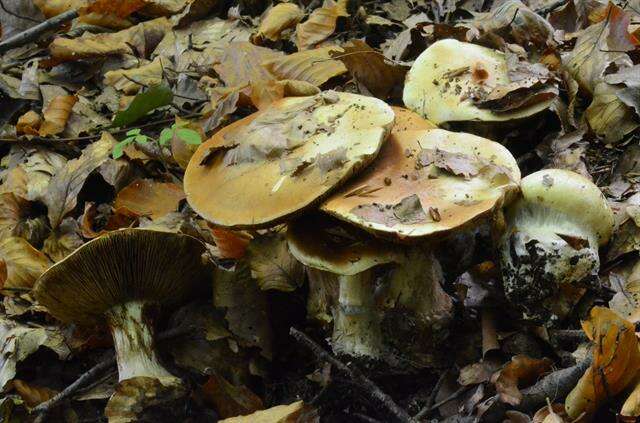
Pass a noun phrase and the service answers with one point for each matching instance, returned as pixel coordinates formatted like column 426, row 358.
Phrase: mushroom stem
column 356, row 330
column 132, row 333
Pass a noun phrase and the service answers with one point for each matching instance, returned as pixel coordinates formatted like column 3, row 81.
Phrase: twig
column 432, row 397
column 442, row 402
column 553, row 386
column 371, row 388
column 550, row 8
column 108, row 362
column 36, row 32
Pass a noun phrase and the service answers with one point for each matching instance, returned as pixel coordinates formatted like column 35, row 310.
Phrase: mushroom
column 407, row 119
column 122, row 279
column 446, row 78
column 345, row 257
column 279, row 161
column 551, row 243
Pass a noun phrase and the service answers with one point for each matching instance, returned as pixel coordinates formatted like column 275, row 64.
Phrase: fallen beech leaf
column 119, row 8
column 135, row 395
column 455, row 163
column 280, row 414
column 29, row 123
column 371, row 68
column 616, row 361
column 24, row 264
column 521, row 371
column 60, row 195
column 31, row 176
column 608, row 115
column 320, row 24
column 313, row 66
column 619, row 38
column 180, row 149
column 230, row 400
column 231, row 244
column 551, row 414
column 63, row 240
column 57, row 114
column 32, row 395
column 114, row 221
column 272, row 265
column 241, row 66
column 146, row 197
column 13, row 210
column 130, row 81
column 52, row 8
column 280, row 17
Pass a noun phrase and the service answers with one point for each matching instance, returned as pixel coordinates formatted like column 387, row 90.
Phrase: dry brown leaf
column 130, row 81
column 292, row 413
column 313, row 66
column 12, row 211
column 608, row 116
column 52, row 8
column 320, row 24
column 231, row 244
column 551, row 414
column 32, row 395
column 241, row 66
column 57, row 114
column 180, row 150
column 616, row 361
column 272, row 265
column 60, row 195
column 135, row 395
column 230, row 400
column 371, row 68
column 275, row 20
column 147, row 197
column 63, row 240
column 521, row 371
column 24, row 264
column 29, row 123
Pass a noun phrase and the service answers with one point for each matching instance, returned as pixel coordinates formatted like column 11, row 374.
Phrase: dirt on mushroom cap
column 280, row 161
column 121, row 266
column 427, row 182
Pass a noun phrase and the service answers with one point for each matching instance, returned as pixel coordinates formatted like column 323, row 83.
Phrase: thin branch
column 371, row 388
column 37, row 31
column 432, row 397
column 43, row 409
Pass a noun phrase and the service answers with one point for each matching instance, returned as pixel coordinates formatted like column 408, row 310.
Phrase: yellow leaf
column 50, row 8
column 608, row 115
column 313, row 66
column 57, row 114
column 280, row 414
column 24, row 264
column 320, row 25
column 146, row 197
column 616, row 361
column 280, row 17
column 130, row 81
column 29, row 123
column 519, row 372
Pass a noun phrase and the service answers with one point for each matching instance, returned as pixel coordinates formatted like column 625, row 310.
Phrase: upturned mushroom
column 122, row 279
column 341, row 262
column 456, row 81
column 277, row 162
column 552, row 239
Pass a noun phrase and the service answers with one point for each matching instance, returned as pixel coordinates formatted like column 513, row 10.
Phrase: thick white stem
column 356, row 329
column 132, row 333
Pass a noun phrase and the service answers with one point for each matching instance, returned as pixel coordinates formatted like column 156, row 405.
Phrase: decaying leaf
column 280, row 17
column 146, row 197
column 231, row 244
column 57, row 114
column 29, row 123
column 32, row 395
column 63, row 240
column 608, row 115
column 272, row 265
column 313, row 66
column 280, row 414
column 130, row 81
column 135, row 396
column 60, row 195
column 320, row 24
column 455, row 163
column 616, row 361
column 230, row 400
column 521, row 371
column 23, row 263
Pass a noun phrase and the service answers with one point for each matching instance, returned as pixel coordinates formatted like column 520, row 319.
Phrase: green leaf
column 141, row 139
column 166, row 135
column 143, row 103
column 118, row 150
column 133, row 132
column 189, row 136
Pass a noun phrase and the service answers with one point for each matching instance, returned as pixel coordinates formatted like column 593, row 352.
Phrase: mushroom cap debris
column 446, row 78
column 426, row 183
column 324, row 243
column 123, row 266
column 283, row 159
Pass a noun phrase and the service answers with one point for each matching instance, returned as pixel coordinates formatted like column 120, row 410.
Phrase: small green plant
column 187, row 135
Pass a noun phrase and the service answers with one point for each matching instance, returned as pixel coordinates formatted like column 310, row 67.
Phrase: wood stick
column 369, row 386
column 37, row 31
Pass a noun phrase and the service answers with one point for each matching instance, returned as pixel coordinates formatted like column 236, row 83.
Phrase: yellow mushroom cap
column 407, row 119
column 572, row 194
column 398, row 197
column 442, row 79
column 281, row 160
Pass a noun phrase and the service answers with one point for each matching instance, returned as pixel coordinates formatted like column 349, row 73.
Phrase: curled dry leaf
column 608, row 115
column 371, row 68
column 521, row 371
column 313, row 66
column 320, row 24
column 29, row 123
column 280, row 414
column 616, row 361
column 275, row 20
column 23, row 264
column 130, row 81
column 63, row 240
column 57, row 114
column 230, row 400
column 13, row 210
column 272, row 265
column 147, row 197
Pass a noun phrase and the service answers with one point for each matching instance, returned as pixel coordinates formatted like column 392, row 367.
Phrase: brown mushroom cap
column 123, row 266
column 407, row 119
column 323, row 243
column 400, row 197
column 275, row 163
